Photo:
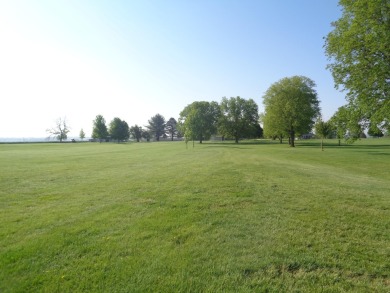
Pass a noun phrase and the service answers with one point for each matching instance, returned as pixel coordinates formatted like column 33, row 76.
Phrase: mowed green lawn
column 220, row 217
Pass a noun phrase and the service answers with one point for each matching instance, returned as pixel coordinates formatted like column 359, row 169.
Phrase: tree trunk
column 236, row 139
column 281, row 139
column 292, row 132
column 322, row 144
column 339, row 142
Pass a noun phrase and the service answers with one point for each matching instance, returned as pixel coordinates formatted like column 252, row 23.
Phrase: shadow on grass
column 241, row 142
column 232, row 144
column 356, row 145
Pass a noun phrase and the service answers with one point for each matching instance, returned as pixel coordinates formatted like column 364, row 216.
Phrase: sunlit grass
column 219, row 217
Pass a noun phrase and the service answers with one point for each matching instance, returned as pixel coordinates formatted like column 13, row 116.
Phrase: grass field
column 220, row 217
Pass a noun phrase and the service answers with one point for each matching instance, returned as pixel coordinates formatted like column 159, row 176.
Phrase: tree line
column 234, row 118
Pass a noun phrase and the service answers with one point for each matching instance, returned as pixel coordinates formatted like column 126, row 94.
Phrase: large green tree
column 358, row 48
column 157, row 126
column 291, row 107
column 99, row 130
column 198, row 121
column 239, row 118
column 119, row 129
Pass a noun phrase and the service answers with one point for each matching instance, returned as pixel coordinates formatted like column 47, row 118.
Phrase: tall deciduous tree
column 99, row 130
column 136, row 132
column 60, row 130
column 239, row 118
column 157, row 126
column 291, row 106
column 358, row 47
column 171, row 127
column 198, row 121
column 119, row 129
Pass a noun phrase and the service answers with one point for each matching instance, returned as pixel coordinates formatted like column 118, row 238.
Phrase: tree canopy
column 157, row 126
column 60, row 130
column 119, row 129
column 99, row 129
column 136, row 132
column 323, row 129
column 82, row 134
column 198, row 121
column 358, row 47
column 239, row 118
column 291, row 107
column 347, row 123
column 171, row 127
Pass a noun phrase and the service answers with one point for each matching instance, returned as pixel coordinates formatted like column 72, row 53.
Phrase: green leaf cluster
column 119, row 129
column 348, row 123
column 239, row 118
column 291, row 107
column 358, row 47
column 157, row 126
column 136, row 132
column 199, row 120
column 99, row 130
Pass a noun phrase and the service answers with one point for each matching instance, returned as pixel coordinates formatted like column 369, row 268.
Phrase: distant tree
column 82, row 134
column 291, row 107
column 119, row 129
column 136, row 132
column 198, row 121
column 171, row 127
column 99, row 130
column 238, row 118
column 60, row 130
column 339, row 122
column 347, row 123
column 358, row 48
column 146, row 135
column 323, row 130
column 156, row 126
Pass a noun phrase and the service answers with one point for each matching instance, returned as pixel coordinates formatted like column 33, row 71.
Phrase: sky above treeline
column 134, row 59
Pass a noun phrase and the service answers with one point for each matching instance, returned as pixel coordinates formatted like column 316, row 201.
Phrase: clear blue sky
column 134, row 59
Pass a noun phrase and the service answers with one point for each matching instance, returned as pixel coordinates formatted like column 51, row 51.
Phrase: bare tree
column 60, row 130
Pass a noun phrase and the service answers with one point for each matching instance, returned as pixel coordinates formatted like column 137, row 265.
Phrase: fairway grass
column 219, row 217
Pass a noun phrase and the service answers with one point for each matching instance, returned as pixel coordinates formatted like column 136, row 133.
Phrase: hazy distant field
column 219, row 217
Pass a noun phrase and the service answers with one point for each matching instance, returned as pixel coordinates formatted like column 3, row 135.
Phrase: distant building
column 307, row 136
